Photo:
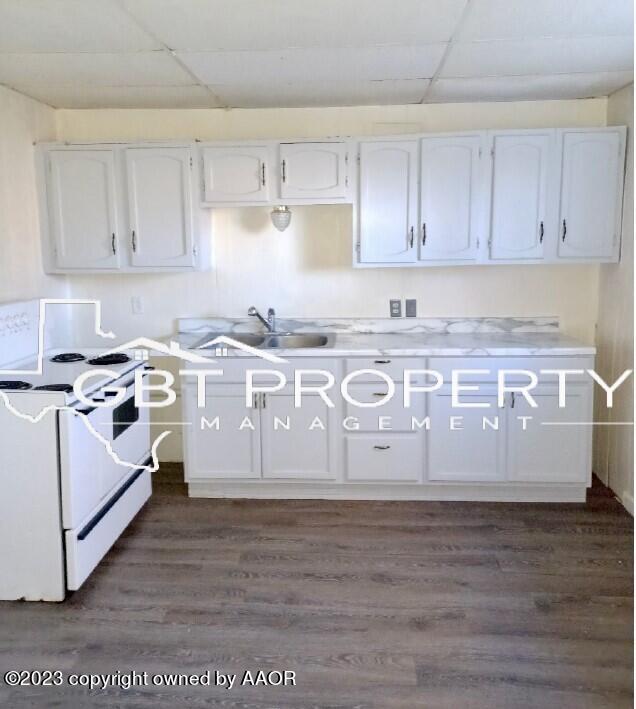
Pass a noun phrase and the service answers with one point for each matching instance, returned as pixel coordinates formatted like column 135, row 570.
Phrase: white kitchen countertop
column 407, row 344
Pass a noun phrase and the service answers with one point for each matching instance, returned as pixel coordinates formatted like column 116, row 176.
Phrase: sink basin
column 275, row 341
column 295, row 341
column 244, row 338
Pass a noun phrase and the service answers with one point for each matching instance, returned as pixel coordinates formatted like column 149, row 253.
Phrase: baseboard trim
column 484, row 492
column 627, row 500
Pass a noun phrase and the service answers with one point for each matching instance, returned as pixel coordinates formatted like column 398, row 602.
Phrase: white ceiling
column 275, row 53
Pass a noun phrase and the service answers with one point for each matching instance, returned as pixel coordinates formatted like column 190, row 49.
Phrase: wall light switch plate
column 410, row 308
column 395, row 308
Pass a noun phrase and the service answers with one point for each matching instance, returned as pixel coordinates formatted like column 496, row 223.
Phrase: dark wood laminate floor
column 373, row 604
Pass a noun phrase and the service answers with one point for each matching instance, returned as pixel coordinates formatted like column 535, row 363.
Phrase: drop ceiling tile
column 360, row 64
column 539, row 56
column 137, row 69
column 123, row 96
column 211, row 25
column 508, row 19
column 69, row 26
column 527, row 88
column 322, row 93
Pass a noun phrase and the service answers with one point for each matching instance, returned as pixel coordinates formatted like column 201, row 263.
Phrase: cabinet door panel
column 384, row 458
column 236, row 174
column 313, row 171
column 449, row 180
column 590, row 199
column 82, row 204
column 555, row 446
column 519, row 194
column 160, row 206
column 232, row 451
column 476, row 452
column 388, row 201
column 298, row 452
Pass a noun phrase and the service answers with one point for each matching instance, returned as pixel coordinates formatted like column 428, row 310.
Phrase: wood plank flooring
column 383, row 605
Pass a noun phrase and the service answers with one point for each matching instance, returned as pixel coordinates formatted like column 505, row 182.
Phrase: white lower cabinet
column 229, row 449
column 555, row 444
column 461, row 446
column 298, row 443
column 384, row 458
column 435, row 449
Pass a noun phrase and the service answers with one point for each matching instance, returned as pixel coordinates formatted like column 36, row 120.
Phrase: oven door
column 128, row 432
column 89, row 474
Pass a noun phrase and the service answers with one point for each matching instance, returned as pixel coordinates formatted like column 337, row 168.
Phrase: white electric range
column 73, row 475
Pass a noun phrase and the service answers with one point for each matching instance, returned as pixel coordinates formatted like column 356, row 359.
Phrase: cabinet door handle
column 113, row 244
column 263, row 401
column 134, row 242
column 263, row 174
column 565, row 230
column 382, row 448
column 255, row 401
column 382, row 361
column 512, row 401
column 423, row 233
column 283, row 171
column 541, row 233
column 412, row 239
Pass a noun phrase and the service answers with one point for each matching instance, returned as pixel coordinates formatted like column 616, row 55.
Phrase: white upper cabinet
column 592, row 164
column 237, row 174
column 387, row 209
column 160, row 206
column 314, row 172
column 449, row 198
column 82, row 208
column 120, row 208
column 518, row 216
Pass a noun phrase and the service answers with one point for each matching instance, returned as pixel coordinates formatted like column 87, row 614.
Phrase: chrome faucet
column 270, row 323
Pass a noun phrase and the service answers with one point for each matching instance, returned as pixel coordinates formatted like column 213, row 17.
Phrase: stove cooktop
column 72, row 357
column 14, row 385
column 114, row 358
column 65, row 357
column 66, row 388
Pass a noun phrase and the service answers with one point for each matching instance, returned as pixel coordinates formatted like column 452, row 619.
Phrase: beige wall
column 614, row 445
column 307, row 269
column 22, row 121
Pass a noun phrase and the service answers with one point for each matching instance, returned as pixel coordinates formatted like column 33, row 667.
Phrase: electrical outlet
column 395, row 308
column 410, row 308
column 137, row 305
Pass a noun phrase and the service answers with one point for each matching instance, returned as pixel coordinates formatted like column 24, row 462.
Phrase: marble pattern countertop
column 503, row 337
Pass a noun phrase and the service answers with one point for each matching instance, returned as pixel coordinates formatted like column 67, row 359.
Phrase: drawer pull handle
column 380, row 393
column 382, row 448
column 382, row 361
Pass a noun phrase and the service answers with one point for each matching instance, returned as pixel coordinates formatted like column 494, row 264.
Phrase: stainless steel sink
column 270, row 342
column 244, row 338
column 295, row 341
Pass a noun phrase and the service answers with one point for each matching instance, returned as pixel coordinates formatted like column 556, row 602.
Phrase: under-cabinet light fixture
column 281, row 216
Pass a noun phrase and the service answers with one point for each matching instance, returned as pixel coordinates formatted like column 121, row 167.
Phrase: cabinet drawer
column 234, row 369
column 389, row 458
column 393, row 366
column 394, row 410
column 87, row 545
column 446, row 365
